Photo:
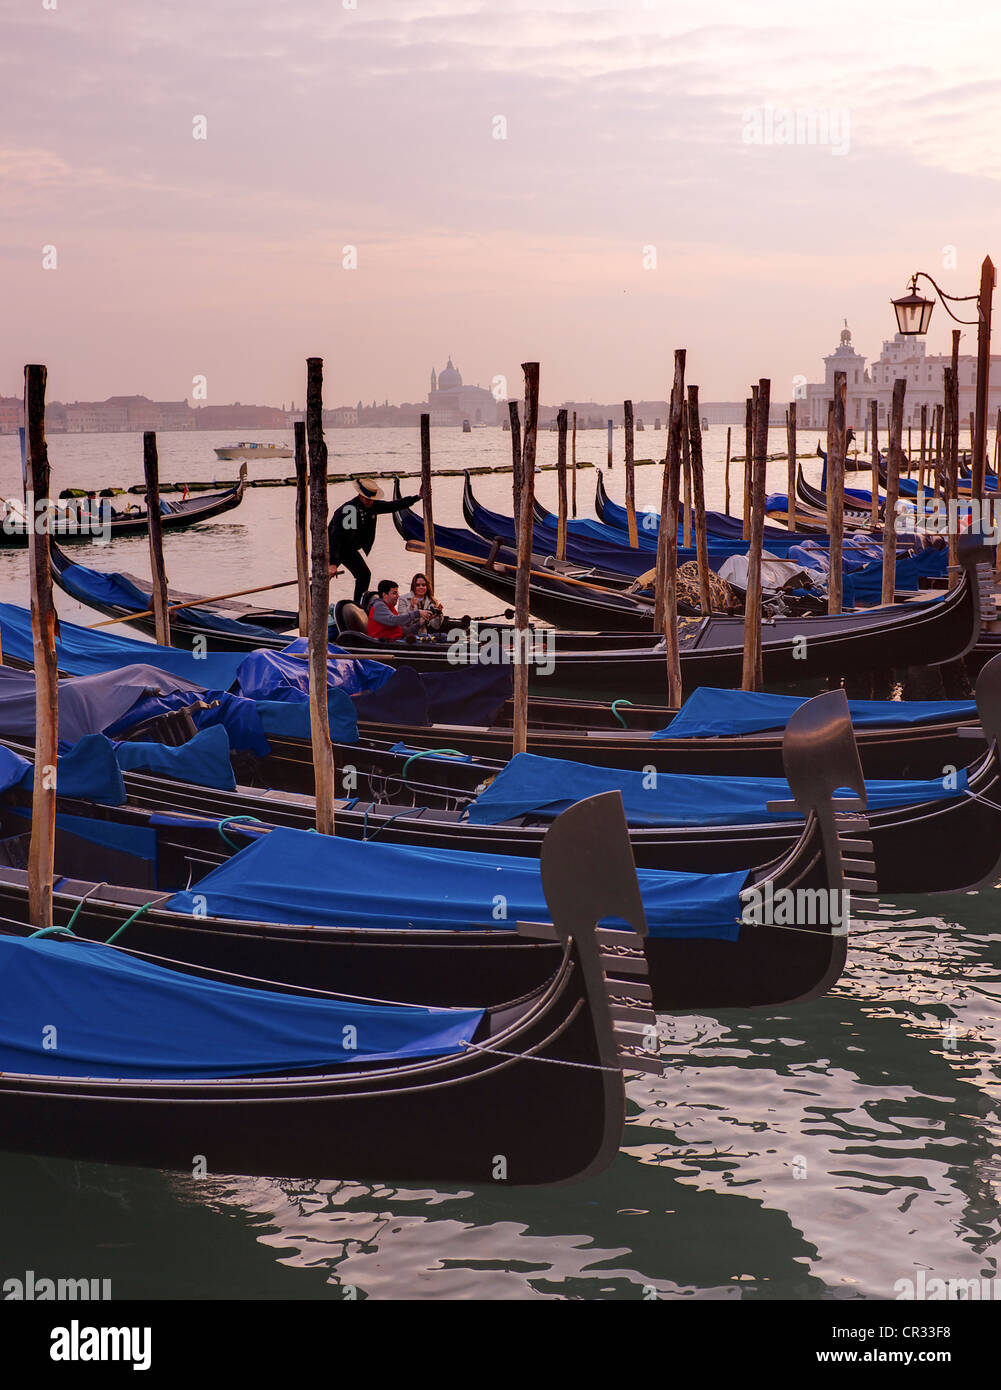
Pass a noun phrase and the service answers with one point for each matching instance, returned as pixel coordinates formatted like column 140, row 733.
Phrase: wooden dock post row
column 319, row 599
column 151, row 473
column 627, row 413
column 526, row 474
column 302, row 524
column 41, row 854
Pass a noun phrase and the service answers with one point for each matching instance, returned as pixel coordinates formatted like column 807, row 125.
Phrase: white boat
column 249, row 450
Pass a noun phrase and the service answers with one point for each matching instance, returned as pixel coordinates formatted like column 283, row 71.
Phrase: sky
column 384, row 183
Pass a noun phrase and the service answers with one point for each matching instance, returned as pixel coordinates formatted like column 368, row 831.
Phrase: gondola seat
column 349, row 617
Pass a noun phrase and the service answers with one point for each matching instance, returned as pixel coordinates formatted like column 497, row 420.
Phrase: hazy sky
column 629, row 125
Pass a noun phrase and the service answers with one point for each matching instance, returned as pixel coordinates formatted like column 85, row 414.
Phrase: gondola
column 856, row 511
column 175, row 516
column 294, row 1081
column 761, row 964
column 844, row 644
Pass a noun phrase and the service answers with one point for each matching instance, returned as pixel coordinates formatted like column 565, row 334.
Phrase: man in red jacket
column 385, row 622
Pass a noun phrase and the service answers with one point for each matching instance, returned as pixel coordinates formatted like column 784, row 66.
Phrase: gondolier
column 351, row 532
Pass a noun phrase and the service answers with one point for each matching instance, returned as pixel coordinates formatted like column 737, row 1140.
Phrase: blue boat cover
column 344, row 883
column 84, row 652
column 140, row 841
column 203, row 760
column 114, row 1015
column 87, row 770
column 117, row 590
column 712, row 713
column 290, row 719
column 87, row 704
column 284, row 675
column 240, row 717
column 12, row 768
column 531, row 785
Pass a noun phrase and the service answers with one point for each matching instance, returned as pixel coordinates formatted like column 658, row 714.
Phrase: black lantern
column 913, row 312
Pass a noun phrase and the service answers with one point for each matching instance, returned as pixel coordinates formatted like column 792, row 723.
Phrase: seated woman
column 421, row 598
column 386, row 622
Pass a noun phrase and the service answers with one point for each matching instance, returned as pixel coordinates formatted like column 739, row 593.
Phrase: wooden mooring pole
column 666, row 593
column 319, row 599
column 726, row 474
column 41, row 853
column 686, row 473
column 874, row 416
column 523, row 577
column 627, row 415
column 573, row 467
column 512, row 408
column 427, row 501
column 611, row 427
column 151, row 472
column 561, row 481
column 748, row 464
column 698, row 486
column 836, row 495
column 302, row 523
column 893, row 460
column 791, row 465
column 751, row 675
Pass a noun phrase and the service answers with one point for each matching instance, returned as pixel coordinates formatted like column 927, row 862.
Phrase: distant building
column 901, row 357
column 11, row 414
column 450, row 402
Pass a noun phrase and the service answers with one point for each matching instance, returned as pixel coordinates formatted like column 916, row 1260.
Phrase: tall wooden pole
column 523, row 578
column 573, row 467
column 748, row 455
column 667, row 541
column 954, row 459
column 836, row 496
column 874, row 415
column 698, row 481
column 319, row 599
column 791, row 465
column 512, row 408
column 997, row 444
column 302, row 523
column 610, row 459
column 751, row 673
column 893, row 461
column 151, row 470
column 427, row 501
column 561, row 479
column 627, row 415
column 686, row 473
column 41, row 854
column 726, row 474
column 984, row 308
column 924, row 440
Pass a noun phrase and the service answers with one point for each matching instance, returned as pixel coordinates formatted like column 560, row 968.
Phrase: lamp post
column 913, row 313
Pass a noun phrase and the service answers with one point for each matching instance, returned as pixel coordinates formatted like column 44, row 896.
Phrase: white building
column 451, row 402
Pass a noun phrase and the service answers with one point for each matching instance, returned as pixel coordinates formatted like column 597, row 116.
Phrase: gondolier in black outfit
column 352, row 530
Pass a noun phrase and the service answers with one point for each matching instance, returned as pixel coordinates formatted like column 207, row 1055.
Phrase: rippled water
column 822, row 1151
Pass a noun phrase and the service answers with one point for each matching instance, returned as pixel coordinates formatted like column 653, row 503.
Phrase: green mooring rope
column 427, row 753
column 615, row 711
column 229, row 820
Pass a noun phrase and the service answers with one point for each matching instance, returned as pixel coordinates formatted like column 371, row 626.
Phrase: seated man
column 384, row 621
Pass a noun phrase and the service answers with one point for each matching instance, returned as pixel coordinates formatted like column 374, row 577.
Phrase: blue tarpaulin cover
column 119, row 591
column 203, row 760
column 87, row 704
column 270, row 675
column 88, row 770
column 546, row 786
column 83, row 652
column 294, row 876
column 709, row 713
column 138, row 840
column 240, row 718
column 290, row 718
column 118, row 1016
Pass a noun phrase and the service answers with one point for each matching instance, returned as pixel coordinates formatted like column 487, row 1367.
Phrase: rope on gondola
column 427, row 753
column 553, row 1061
column 364, row 825
column 153, row 902
column 615, row 711
column 52, row 931
column 229, row 820
column 975, row 796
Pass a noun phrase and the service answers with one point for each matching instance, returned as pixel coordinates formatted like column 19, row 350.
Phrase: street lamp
column 913, row 313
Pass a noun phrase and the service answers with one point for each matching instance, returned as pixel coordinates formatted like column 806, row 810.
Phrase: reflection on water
column 824, row 1151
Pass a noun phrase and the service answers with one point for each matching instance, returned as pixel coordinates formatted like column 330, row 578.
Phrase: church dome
column 846, row 335
column 449, row 377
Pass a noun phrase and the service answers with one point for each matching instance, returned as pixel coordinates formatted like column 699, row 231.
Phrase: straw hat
column 368, row 487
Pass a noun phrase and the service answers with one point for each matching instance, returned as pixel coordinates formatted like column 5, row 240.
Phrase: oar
column 195, row 603
column 418, row 547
